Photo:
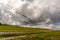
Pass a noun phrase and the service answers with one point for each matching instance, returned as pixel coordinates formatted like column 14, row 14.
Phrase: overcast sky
column 35, row 11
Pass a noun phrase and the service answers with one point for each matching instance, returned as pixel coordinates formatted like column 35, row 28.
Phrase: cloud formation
column 29, row 12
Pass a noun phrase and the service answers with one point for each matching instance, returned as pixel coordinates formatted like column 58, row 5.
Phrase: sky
column 29, row 12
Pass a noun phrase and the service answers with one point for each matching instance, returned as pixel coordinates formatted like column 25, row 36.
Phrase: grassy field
column 29, row 33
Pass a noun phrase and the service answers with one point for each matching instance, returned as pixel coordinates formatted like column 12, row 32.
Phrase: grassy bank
column 30, row 33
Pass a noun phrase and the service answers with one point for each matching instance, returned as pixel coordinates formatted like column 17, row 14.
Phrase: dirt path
column 9, row 38
column 9, row 33
column 2, row 33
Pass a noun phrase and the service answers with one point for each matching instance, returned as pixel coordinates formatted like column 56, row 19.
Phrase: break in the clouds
column 30, row 12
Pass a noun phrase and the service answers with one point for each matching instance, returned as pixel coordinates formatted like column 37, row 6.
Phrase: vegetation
column 29, row 33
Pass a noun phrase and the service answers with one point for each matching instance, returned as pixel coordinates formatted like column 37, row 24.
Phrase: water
column 31, row 13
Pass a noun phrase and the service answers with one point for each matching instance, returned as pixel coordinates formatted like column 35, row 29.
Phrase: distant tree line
column 0, row 23
column 3, row 24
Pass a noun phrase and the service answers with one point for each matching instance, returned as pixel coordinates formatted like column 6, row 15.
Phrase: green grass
column 30, row 33
column 10, row 28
